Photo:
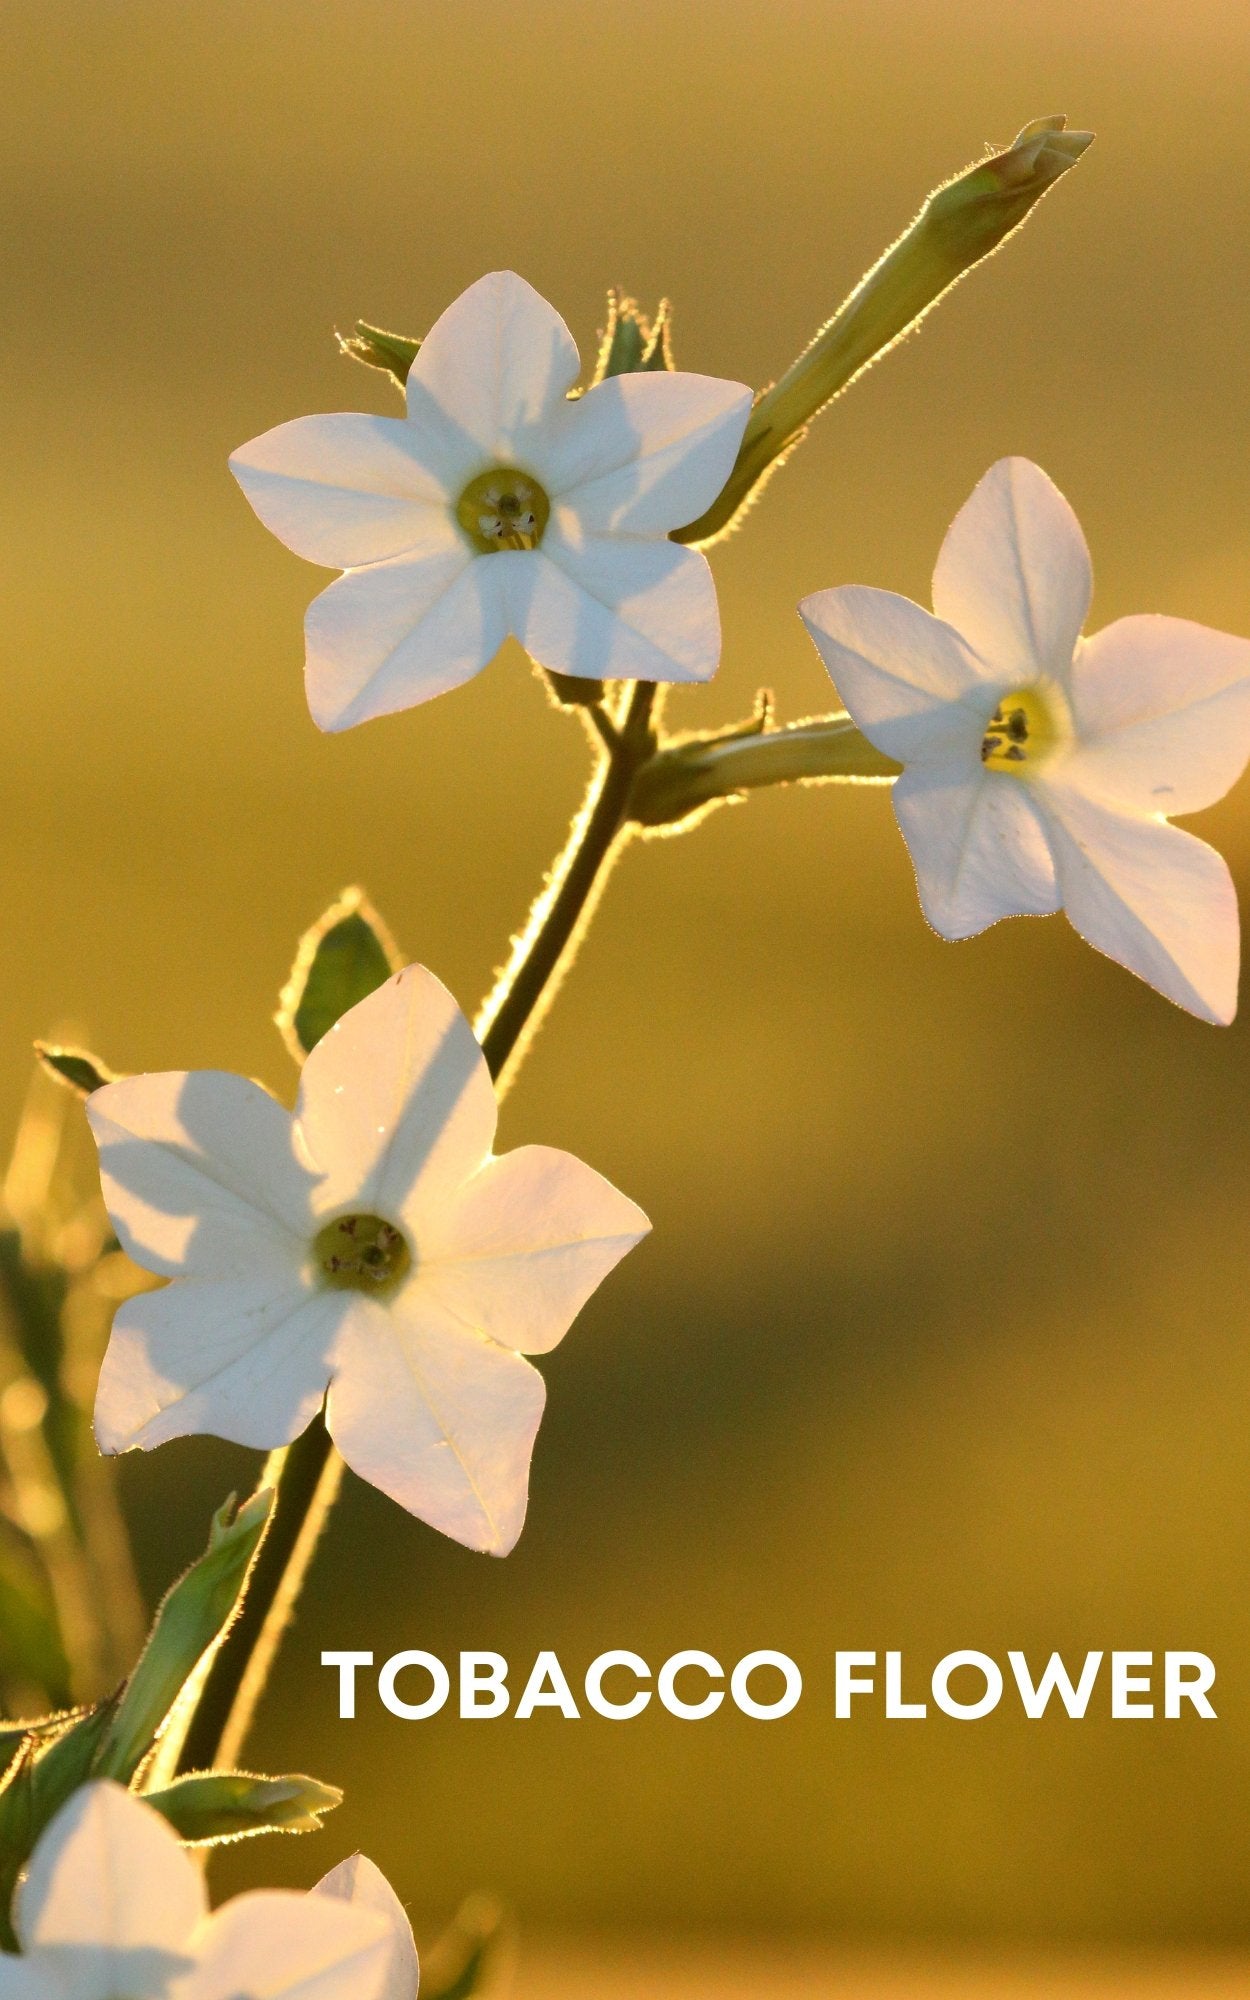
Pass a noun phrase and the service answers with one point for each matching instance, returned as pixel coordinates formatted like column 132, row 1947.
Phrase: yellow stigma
column 1022, row 730
column 503, row 509
column 361, row 1253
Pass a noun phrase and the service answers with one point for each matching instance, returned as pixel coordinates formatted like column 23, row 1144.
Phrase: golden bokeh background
column 940, row 1340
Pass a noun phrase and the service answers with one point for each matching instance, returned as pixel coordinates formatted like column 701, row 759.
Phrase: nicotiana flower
column 1040, row 767
column 500, row 505
column 372, row 1243
column 112, row 1905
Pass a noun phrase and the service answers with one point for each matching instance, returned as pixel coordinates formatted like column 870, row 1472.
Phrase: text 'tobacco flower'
column 499, row 505
column 1041, row 768
column 371, row 1244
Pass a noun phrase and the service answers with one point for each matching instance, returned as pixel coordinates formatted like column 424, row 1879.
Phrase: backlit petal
column 1153, row 898
column 440, row 1419
column 908, row 680
column 396, row 1105
column 109, row 1872
column 236, row 1357
column 616, row 608
column 359, row 1882
column 1162, row 711
column 199, row 1173
column 396, row 634
column 346, row 490
column 497, row 362
column 642, row 454
column 531, row 1237
column 1013, row 575
column 274, row 1944
column 977, row 846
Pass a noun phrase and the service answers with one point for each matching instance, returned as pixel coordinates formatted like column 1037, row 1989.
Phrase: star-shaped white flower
column 371, row 1243
column 112, row 1905
column 501, row 506
column 1041, row 767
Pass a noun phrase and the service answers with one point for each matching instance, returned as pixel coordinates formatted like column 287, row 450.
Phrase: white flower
column 1041, row 767
column 501, row 506
column 112, row 1905
column 372, row 1243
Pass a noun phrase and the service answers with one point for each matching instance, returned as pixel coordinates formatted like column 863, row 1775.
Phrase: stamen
column 503, row 509
column 1023, row 728
column 361, row 1253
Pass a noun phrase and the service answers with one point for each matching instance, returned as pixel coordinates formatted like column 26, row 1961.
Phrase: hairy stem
column 307, row 1472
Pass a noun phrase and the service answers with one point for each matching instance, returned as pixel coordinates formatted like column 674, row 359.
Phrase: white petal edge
column 109, row 1872
column 1162, row 713
column 199, row 1172
column 906, row 679
column 643, row 454
column 396, row 1105
column 441, row 1420
column 345, row 490
column 977, row 846
column 528, row 1241
column 396, row 634
column 497, row 363
column 232, row 1358
column 357, row 1880
column 1155, row 899
column 274, row 1944
column 1013, row 575
column 616, row 608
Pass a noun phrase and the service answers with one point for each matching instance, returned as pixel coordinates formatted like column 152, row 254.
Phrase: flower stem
column 307, row 1473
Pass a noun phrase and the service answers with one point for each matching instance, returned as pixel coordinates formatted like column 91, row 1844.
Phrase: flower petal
column 1014, row 575
column 238, row 1358
column 345, row 490
column 642, row 454
column 396, row 1104
column 977, row 846
column 616, row 609
column 398, row 633
column 441, row 1420
column 199, row 1173
column 497, row 363
column 274, row 1944
column 359, row 1882
column 1162, row 711
column 109, row 1872
column 1153, row 898
column 529, row 1240
column 908, row 680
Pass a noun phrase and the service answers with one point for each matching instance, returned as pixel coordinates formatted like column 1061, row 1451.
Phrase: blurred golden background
column 940, row 1340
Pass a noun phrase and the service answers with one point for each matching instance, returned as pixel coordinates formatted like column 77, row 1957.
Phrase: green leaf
column 372, row 345
column 631, row 343
column 467, row 1957
column 31, row 1652
column 68, row 1761
column 17, row 1819
column 82, row 1071
column 346, row 955
column 191, row 1620
column 14, row 1734
column 212, row 1806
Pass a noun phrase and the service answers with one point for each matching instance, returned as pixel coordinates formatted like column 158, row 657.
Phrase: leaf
column 346, row 955
column 79, row 1069
column 192, row 1618
column 68, row 1762
column 469, row 1954
column 17, row 1819
column 213, row 1806
column 631, row 343
column 31, row 1652
column 372, row 345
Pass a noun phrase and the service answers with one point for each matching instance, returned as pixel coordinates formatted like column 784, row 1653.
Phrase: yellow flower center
column 503, row 509
column 361, row 1253
column 1023, row 729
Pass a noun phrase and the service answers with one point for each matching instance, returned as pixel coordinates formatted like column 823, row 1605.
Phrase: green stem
column 684, row 777
column 307, row 1472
